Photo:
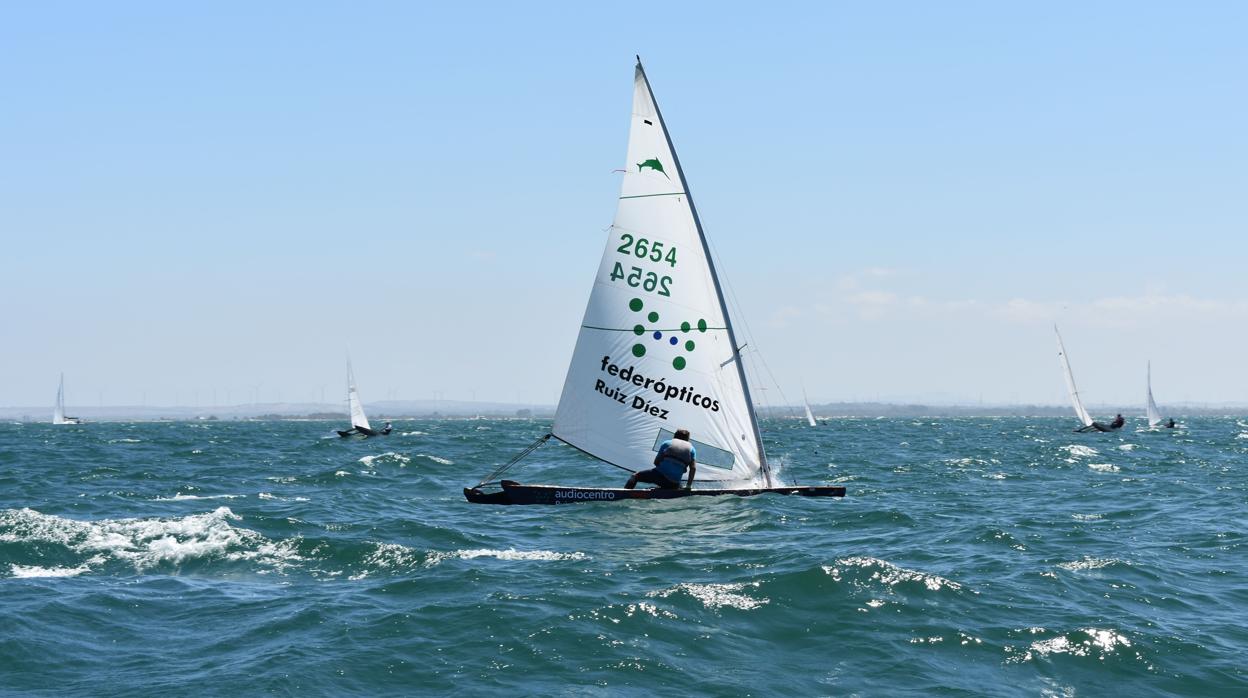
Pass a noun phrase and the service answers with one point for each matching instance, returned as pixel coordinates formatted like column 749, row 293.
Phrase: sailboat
column 359, row 422
column 1089, row 424
column 58, row 412
column 656, row 350
column 1154, row 414
column 810, row 416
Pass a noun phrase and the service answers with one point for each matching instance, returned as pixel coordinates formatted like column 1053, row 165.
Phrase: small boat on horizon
column 58, row 412
column 1089, row 424
column 359, row 421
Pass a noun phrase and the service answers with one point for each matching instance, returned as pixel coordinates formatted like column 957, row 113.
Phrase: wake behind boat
column 656, row 352
column 359, row 422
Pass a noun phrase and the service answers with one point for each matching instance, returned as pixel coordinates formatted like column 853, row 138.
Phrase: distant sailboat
column 810, row 416
column 359, row 422
column 1154, row 414
column 1089, row 424
column 58, row 412
column 656, row 350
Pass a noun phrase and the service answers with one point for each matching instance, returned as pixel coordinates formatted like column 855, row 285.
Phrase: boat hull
column 516, row 493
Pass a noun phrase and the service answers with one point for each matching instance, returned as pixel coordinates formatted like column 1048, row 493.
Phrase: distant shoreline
column 467, row 410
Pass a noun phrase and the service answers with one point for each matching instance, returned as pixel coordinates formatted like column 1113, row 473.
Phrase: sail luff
column 719, row 293
column 1080, row 411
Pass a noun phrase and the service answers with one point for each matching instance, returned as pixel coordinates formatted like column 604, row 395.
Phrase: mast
column 719, row 293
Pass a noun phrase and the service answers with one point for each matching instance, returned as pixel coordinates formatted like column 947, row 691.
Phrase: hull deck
column 516, row 493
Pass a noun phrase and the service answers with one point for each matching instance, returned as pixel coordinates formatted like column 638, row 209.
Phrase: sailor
column 1170, row 424
column 1118, row 422
column 676, row 455
column 386, row 429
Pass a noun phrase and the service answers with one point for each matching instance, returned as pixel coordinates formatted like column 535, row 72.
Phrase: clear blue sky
column 904, row 196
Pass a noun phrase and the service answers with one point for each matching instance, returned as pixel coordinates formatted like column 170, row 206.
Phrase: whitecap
column 510, row 554
column 179, row 497
column 1088, row 563
column 1104, row 467
column 1126, row 447
column 889, row 574
column 145, row 543
column 1078, row 450
column 436, row 459
column 1081, row 643
column 715, row 596
column 22, row 571
column 389, row 456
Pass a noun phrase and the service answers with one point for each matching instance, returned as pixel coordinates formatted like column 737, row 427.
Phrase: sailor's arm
column 693, row 467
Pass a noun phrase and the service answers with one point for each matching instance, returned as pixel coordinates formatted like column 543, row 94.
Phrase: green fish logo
column 654, row 164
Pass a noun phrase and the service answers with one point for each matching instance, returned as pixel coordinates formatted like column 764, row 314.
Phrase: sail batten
column 1075, row 400
column 656, row 350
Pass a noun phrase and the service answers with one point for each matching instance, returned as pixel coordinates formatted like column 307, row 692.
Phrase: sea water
column 971, row 556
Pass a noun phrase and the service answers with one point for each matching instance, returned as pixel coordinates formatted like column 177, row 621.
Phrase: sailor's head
column 682, row 434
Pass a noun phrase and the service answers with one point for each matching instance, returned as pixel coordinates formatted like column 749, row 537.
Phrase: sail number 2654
column 638, row 277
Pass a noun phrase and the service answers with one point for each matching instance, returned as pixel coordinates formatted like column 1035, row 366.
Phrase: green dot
column 689, row 345
column 653, row 317
column 701, row 325
column 639, row 350
column 684, row 327
column 635, row 304
column 639, row 330
column 678, row 363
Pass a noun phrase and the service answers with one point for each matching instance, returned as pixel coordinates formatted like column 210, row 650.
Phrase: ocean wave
column 886, row 573
column 1104, row 467
column 28, row 571
column 1087, row 642
column 1088, row 563
column 510, row 554
column 145, row 544
column 179, row 497
column 1079, row 451
column 716, row 596
column 387, row 457
column 436, row 459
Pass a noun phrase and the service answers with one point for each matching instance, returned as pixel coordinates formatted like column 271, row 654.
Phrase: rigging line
column 519, row 457
column 748, row 330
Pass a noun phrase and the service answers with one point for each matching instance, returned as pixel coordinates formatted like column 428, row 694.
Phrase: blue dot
column 658, row 335
column 673, row 341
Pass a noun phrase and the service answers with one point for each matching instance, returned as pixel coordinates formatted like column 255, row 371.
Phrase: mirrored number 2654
column 646, row 249
column 640, row 278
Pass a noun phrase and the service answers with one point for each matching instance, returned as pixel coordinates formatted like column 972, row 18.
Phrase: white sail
column 656, row 351
column 810, row 416
column 1082, row 413
column 58, row 413
column 353, row 400
column 1154, row 415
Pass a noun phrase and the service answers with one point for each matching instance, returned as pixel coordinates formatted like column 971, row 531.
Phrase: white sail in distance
column 58, row 412
column 656, row 351
column 810, row 416
column 353, row 401
column 1080, row 412
column 1154, row 415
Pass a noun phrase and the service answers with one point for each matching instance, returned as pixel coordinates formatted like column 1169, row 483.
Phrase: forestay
column 1080, row 412
column 656, row 351
column 1154, row 415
